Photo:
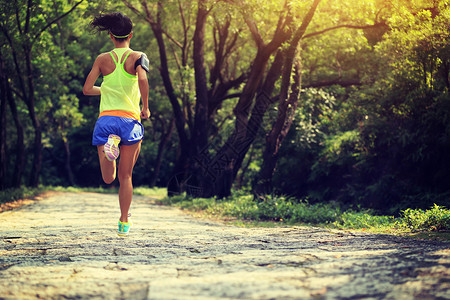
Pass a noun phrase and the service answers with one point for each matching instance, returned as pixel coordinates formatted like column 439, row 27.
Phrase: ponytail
column 118, row 24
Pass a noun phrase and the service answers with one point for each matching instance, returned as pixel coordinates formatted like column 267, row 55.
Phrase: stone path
column 65, row 247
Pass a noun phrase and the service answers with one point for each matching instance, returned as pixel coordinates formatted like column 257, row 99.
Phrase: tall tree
column 3, row 106
column 287, row 104
column 215, row 175
column 7, row 98
column 22, row 26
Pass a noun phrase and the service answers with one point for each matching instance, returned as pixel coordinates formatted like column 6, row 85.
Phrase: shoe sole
column 111, row 149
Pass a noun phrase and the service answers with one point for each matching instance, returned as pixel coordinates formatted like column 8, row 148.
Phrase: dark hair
column 118, row 24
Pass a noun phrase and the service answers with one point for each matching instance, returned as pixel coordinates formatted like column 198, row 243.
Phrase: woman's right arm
column 89, row 88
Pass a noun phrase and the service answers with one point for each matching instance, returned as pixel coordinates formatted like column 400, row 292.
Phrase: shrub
column 436, row 218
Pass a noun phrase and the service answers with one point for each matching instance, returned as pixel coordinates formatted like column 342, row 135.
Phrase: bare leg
column 107, row 167
column 128, row 158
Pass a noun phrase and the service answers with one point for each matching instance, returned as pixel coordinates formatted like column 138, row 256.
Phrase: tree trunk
column 37, row 157
column 20, row 145
column 178, row 180
column 200, row 133
column 162, row 145
column 199, row 139
column 182, row 160
column 67, row 164
column 262, row 103
column 3, row 105
column 286, row 109
column 240, row 177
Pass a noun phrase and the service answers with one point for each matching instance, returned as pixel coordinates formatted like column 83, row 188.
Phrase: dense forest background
column 342, row 101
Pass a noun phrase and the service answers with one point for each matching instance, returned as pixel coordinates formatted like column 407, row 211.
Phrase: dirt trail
column 65, row 247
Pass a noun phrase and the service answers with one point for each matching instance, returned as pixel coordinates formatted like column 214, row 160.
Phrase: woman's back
column 107, row 64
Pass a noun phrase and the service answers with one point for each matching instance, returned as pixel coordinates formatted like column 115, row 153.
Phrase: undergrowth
column 291, row 211
column 13, row 194
column 435, row 218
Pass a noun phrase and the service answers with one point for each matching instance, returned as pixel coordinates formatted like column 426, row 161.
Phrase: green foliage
column 383, row 144
column 13, row 194
column 435, row 218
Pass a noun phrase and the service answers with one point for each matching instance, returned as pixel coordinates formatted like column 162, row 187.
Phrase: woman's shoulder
column 102, row 56
column 137, row 54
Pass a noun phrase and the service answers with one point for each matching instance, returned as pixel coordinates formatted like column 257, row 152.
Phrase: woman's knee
column 124, row 175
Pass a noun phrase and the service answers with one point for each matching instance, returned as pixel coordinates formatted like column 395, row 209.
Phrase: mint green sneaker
column 124, row 228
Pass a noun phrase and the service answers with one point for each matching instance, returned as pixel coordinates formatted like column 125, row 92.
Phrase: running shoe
column 112, row 147
column 124, row 228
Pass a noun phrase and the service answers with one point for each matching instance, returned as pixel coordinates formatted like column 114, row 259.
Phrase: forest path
column 65, row 247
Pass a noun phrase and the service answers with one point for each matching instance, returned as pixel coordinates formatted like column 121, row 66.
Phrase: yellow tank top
column 120, row 95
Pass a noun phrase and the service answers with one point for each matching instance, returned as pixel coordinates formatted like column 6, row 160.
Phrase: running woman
column 118, row 128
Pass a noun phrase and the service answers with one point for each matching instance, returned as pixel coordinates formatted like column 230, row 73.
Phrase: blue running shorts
column 130, row 130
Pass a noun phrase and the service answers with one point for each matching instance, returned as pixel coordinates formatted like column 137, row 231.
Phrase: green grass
column 154, row 192
column 243, row 210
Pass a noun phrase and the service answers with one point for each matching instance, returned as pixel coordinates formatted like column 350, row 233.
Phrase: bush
column 436, row 218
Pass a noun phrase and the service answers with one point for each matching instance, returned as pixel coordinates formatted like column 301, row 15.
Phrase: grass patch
column 154, row 192
column 279, row 210
column 365, row 219
column 13, row 194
